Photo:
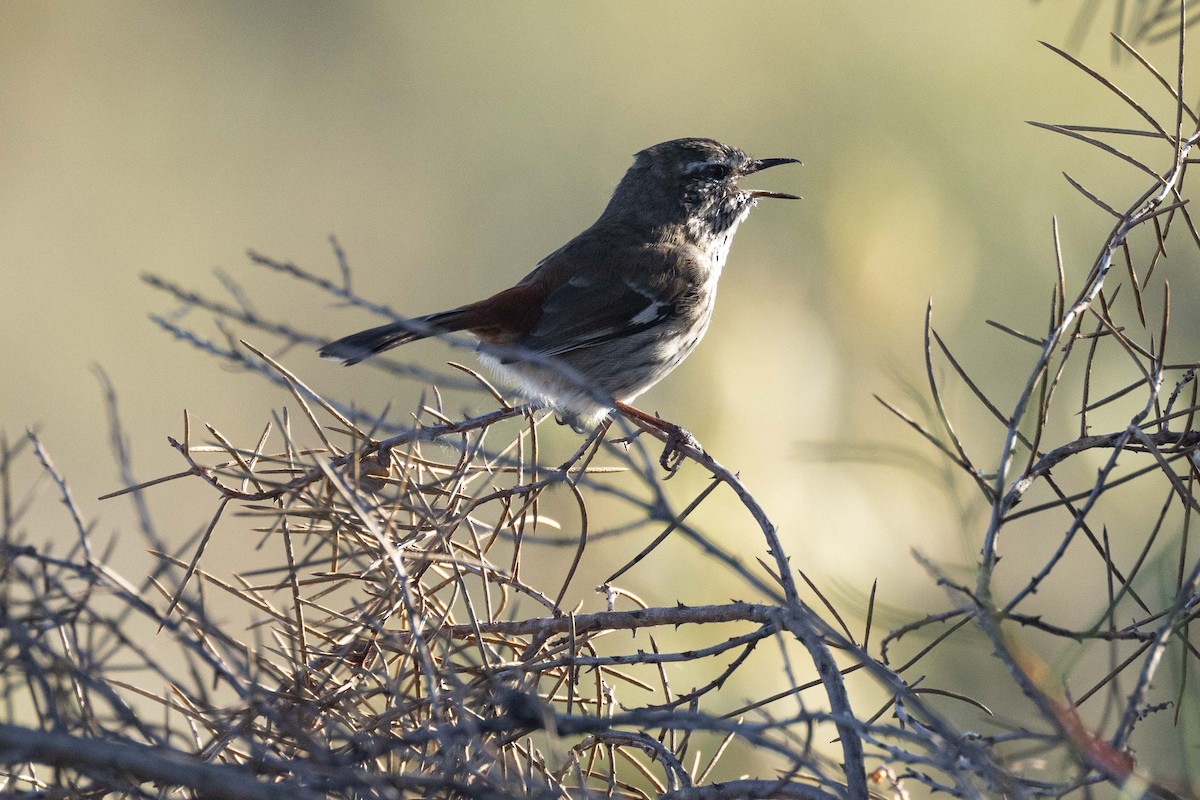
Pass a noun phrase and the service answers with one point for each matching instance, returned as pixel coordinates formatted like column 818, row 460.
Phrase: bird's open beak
column 758, row 165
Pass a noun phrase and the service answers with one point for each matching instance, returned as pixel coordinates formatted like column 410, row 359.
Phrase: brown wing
column 505, row 317
column 620, row 293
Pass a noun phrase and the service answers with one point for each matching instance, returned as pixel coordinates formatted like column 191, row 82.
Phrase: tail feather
column 362, row 345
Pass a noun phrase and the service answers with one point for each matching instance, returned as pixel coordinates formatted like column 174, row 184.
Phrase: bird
column 614, row 310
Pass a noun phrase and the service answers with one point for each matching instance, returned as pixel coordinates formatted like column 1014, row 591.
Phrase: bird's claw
column 673, row 452
column 570, row 420
column 677, row 439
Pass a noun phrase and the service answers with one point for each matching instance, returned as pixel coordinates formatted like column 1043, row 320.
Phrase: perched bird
column 614, row 310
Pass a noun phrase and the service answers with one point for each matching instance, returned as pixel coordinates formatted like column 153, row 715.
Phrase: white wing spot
column 647, row 314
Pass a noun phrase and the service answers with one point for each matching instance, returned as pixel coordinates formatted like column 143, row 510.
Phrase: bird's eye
column 711, row 172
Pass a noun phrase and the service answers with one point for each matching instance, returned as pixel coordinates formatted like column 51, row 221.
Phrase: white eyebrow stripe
column 699, row 165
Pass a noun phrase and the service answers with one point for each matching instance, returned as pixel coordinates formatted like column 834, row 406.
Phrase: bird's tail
column 364, row 344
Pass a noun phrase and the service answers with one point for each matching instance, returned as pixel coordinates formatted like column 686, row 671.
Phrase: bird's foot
column 572, row 421
column 674, row 450
column 678, row 440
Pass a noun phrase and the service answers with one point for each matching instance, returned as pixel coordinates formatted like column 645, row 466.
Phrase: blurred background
column 451, row 146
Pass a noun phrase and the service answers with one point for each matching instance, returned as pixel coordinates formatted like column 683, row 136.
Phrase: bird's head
column 691, row 183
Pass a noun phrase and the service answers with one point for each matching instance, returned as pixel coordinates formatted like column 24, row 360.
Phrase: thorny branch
column 423, row 624
column 1155, row 441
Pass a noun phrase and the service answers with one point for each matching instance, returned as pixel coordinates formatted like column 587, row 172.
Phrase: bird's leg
column 677, row 437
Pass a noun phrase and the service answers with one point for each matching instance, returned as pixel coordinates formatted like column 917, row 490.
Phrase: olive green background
column 449, row 146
